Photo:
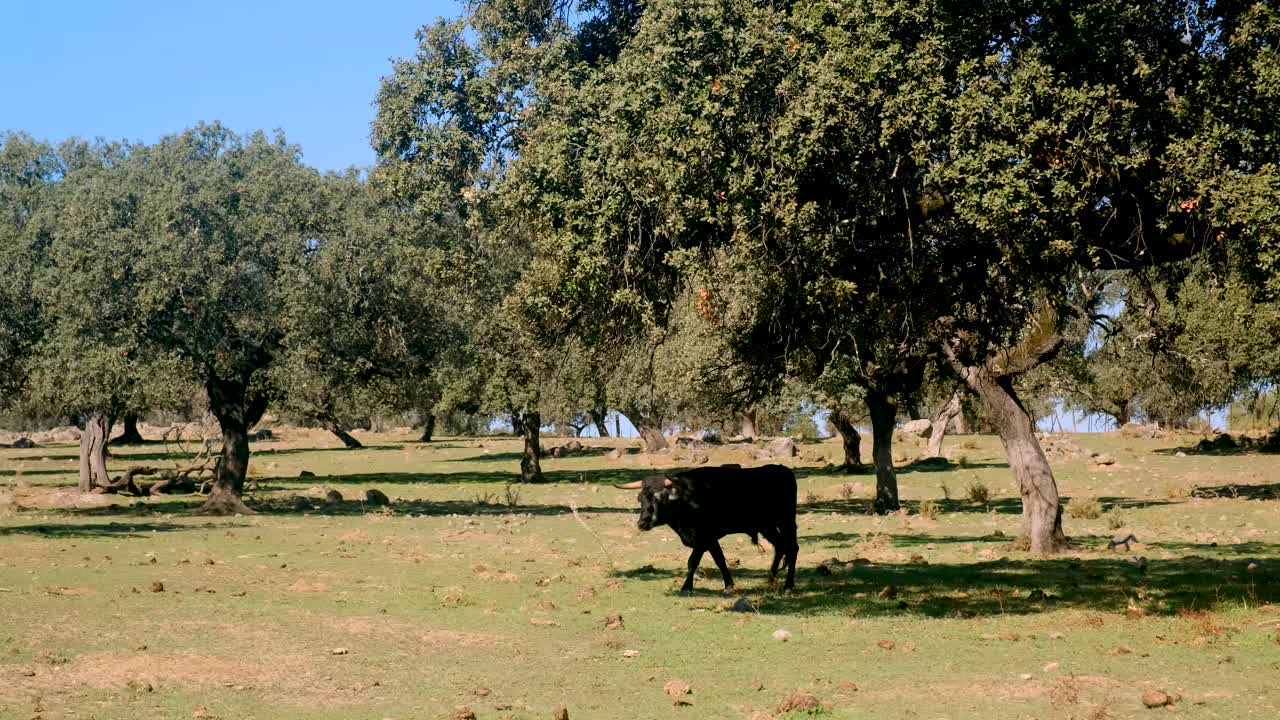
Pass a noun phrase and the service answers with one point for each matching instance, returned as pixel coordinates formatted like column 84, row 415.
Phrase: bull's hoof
column 686, row 591
column 730, row 590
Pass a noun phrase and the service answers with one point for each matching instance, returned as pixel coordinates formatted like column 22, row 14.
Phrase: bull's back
column 744, row 499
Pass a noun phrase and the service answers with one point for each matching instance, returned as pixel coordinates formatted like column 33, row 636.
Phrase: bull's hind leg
column 792, row 545
column 776, row 542
column 718, row 555
column 695, row 558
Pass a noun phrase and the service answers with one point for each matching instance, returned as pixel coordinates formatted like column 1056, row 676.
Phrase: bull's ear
column 634, row 485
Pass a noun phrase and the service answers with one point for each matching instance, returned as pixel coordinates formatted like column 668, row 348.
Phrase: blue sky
column 139, row 69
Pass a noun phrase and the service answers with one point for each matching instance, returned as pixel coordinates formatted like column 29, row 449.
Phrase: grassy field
column 462, row 594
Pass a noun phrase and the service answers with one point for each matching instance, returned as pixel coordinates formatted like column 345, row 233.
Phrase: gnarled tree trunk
column 333, row 425
column 992, row 381
column 530, row 467
column 1041, row 515
column 650, row 431
column 428, row 427
column 93, row 451
column 237, row 410
column 939, row 423
column 884, row 415
column 130, row 435
column 748, row 420
column 849, row 438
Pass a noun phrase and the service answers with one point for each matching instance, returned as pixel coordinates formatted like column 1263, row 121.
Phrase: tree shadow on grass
column 301, row 505
column 619, row 476
column 1005, row 586
column 1268, row 491
column 101, row 530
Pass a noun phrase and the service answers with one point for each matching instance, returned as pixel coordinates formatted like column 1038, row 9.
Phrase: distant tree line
column 696, row 214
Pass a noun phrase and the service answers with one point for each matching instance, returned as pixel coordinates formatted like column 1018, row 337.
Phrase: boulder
column 262, row 435
column 919, row 428
column 782, row 448
column 1224, row 442
column 376, row 497
column 24, row 443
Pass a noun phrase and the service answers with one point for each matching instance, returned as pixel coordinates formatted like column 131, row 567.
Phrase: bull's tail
column 755, row 538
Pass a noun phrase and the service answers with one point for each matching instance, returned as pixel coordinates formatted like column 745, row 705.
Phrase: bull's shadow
column 1205, row 578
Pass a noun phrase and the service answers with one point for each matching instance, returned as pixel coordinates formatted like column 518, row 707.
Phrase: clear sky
column 140, row 69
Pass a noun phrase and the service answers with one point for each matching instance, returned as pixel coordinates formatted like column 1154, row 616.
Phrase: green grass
column 450, row 597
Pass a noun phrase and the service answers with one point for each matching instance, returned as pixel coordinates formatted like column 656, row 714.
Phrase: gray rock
column 374, row 496
column 919, row 428
column 782, row 448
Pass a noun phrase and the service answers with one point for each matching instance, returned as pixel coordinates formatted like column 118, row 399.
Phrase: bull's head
column 657, row 492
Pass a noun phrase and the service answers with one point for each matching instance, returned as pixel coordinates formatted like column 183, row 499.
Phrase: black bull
column 704, row 504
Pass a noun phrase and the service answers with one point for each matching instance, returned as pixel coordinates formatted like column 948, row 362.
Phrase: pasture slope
column 460, row 595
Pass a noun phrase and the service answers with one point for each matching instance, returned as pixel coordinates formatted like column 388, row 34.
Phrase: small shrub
column 1086, row 508
column 929, row 509
column 963, row 461
column 485, row 498
column 846, row 491
column 811, row 497
column 1115, row 521
column 512, row 495
column 978, row 492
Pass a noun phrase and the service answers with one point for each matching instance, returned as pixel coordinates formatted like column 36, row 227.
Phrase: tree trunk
column 93, row 452
column 884, row 416
column 939, row 423
column 236, row 411
column 600, row 410
column 597, row 418
column 748, row 419
column 849, row 437
column 333, row 425
column 1041, row 513
column 130, row 436
column 428, row 427
column 1123, row 414
column 530, row 467
column 617, row 425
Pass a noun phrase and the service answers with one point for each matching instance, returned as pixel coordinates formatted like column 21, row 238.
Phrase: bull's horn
column 634, row 485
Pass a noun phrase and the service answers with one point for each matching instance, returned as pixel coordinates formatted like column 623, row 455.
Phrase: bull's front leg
column 695, row 558
column 718, row 555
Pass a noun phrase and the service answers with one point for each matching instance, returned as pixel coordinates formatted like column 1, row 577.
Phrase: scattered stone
column 886, row 644
column 781, row 635
column 1179, row 454
column 918, row 560
column 482, row 692
column 1156, row 698
column 202, row 713
column 799, row 701
column 561, row 713
column 306, row 474
column 332, row 496
column 462, row 712
column 1251, row 567
column 613, row 622
column 1051, row 667
column 630, row 653
column 24, row 443
column 1103, row 460
column 376, row 497
column 782, row 448
column 573, row 447
column 339, row 651
column 157, row 586
column 743, row 605
column 888, row 591
column 677, row 689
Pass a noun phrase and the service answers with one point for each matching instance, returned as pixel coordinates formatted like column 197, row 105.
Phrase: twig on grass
column 573, row 506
